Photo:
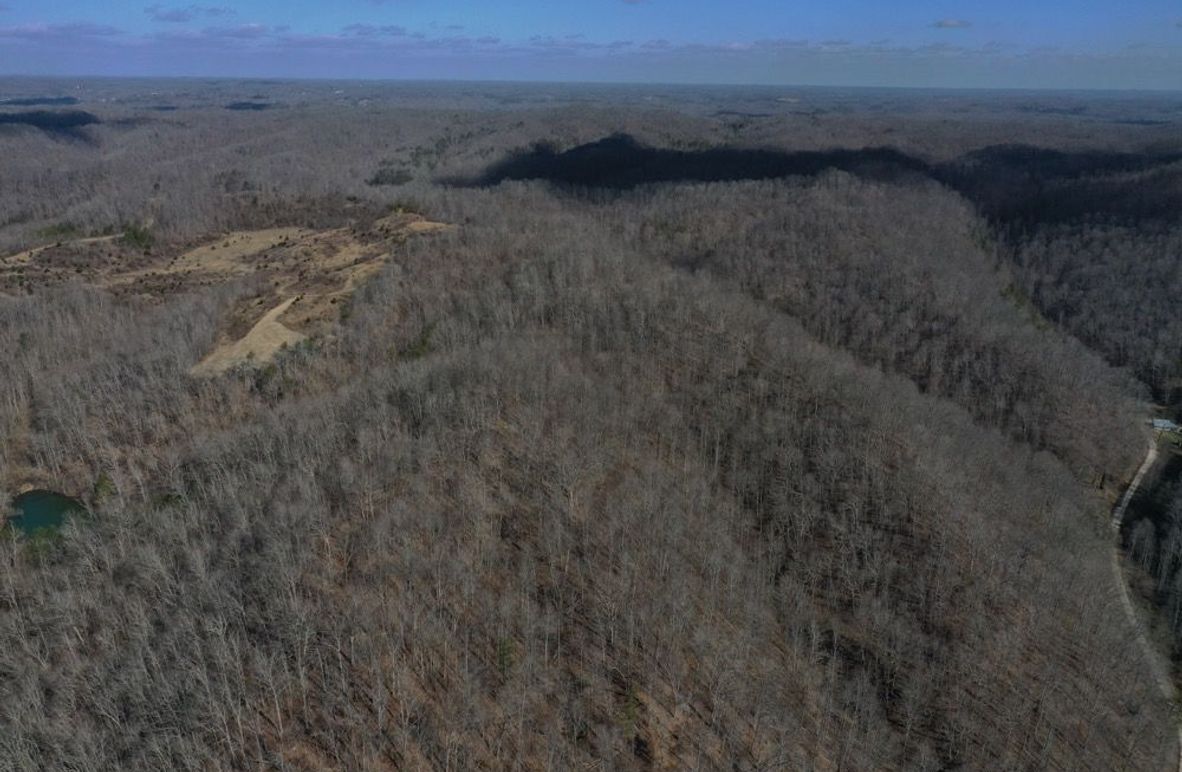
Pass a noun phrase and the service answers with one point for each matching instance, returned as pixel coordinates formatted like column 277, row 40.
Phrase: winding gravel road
column 1157, row 665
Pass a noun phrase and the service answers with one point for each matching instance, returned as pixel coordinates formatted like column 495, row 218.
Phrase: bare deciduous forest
column 585, row 427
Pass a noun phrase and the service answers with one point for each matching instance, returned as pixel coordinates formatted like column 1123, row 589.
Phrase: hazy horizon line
column 616, row 83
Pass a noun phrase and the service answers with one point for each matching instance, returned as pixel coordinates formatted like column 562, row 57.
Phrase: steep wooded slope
column 548, row 501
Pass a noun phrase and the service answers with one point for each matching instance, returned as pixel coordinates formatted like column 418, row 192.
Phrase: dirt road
column 1156, row 663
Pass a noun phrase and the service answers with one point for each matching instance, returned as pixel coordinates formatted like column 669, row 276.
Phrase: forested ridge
column 808, row 472
column 1092, row 234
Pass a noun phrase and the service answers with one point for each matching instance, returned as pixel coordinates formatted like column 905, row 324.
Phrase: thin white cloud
column 952, row 24
column 245, row 31
column 373, row 30
column 66, row 31
column 186, row 13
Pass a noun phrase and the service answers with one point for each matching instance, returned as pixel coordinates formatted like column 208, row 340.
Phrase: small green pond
column 41, row 511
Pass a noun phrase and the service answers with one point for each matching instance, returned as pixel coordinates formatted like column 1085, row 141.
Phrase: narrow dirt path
column 28, row 254
column 259, row 345
column 1118, row 514
column 1157, row 666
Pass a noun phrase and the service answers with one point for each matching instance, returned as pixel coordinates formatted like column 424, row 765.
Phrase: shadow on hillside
column 58, row 123
column 620, row 162
column 1025, row 186
column 1012, row 185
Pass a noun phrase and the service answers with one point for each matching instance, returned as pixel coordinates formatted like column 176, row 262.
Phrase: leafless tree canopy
column 805, row 472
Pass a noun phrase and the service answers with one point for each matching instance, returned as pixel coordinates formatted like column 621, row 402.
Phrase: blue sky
column 1003, row 43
